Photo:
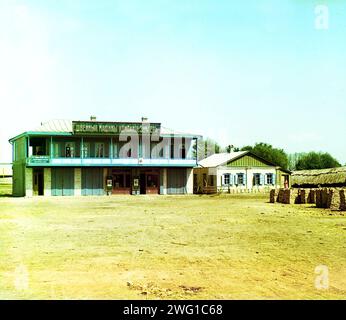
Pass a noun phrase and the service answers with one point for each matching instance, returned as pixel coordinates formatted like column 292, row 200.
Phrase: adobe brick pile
column 272, row 196
column 283, row 196
column 311, row 196
column 332, row 198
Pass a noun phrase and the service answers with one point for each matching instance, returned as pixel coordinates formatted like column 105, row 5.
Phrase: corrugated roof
column 219, row 159
column 65, row 126
column 56, row 125
column 168, row 131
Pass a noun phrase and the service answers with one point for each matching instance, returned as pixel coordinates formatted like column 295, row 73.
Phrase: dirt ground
column 168, row 247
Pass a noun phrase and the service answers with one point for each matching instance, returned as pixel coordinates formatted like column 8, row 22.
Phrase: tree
column 206, row 147
column 267, row 152
column 316, row 160
column 231, row 148
column 293, row 158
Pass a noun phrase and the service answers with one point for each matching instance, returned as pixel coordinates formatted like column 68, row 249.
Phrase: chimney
column 92, row 118
column 144, row 119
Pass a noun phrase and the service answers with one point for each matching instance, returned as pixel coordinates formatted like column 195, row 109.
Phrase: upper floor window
column 99, row 149
column 56, row 150
column 69, row 150
column 86, row 150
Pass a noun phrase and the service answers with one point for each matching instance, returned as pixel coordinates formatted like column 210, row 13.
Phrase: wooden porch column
column 164, row 181
column 81, row 149
column 51, row 147
column 111, row 149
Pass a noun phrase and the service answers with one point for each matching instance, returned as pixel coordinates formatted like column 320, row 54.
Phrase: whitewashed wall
column 249, row 177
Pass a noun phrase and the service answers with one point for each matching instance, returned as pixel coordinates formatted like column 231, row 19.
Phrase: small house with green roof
column 238, row 172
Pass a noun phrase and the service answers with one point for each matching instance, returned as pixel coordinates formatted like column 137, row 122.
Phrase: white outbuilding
column 238, row 171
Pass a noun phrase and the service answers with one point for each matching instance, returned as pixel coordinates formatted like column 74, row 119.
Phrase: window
column 240, row 178
column 257, row 179
column 226, row 179
column 99, row 150
column 269, row 178
column 56, row 150
column 86, row 150
column 182, row 153
column 115, row 150
column 152, row 181
column 69, row 150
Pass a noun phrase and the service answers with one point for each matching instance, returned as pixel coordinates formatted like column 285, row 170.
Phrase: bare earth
column 168, row 247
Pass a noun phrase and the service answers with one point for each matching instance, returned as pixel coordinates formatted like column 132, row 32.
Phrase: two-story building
column 65, row 158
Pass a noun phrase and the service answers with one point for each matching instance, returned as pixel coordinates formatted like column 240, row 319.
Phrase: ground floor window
column 226, row 179
column 257, row 179
column 269, row 178
column 240, row 179
column 121, row 180
column 152, row 181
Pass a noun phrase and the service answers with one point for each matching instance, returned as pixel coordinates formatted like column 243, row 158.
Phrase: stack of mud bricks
column 323, row 198
column 272, row 196
column 300, row 197
column 336, row 199
column 294, row 195
column 311, row 196
column 342, row 200
column 331, row 198
column 282, row 197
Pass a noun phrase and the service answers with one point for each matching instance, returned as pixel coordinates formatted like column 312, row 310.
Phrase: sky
column 238, row 72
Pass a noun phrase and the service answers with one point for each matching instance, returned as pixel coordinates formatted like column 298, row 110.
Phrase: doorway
column 149, row 181
column 38, row 183
column 142, row 184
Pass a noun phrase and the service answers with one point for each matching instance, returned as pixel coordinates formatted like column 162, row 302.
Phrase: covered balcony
column 101, row 151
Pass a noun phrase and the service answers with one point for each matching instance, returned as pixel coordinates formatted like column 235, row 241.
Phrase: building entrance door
column 149, row 182
column 121, row 181
column 38, row 182
column 142, row 185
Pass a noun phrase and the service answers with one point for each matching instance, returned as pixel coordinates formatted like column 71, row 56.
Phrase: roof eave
column 39, row 133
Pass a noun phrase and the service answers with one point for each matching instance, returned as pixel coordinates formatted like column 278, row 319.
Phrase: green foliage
column 267, row 152
column 231, row 148
column 295, row 161
column 316, row 160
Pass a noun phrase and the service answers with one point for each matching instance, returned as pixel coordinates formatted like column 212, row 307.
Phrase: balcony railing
column 125, row 162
